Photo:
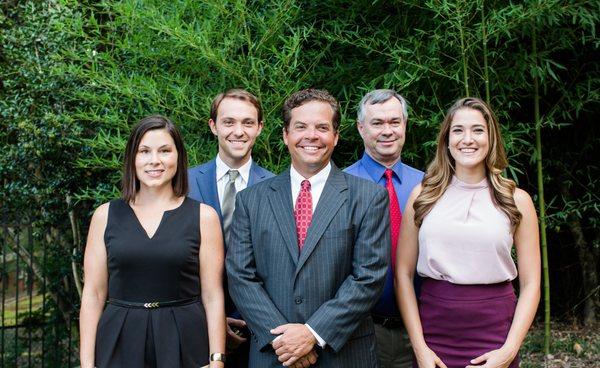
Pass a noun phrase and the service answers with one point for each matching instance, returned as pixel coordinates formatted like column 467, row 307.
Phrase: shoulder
column 411, row 176
column 415, row 192
column 354, row 168
column 259, row 187
column 523, row 200
column 194, row 202
column 194, row 170
column 101, row 213
column 413, row 172
column 362, row 185
column 208, row 215
column 263, row 172
column 204, row 208
column 100, row 216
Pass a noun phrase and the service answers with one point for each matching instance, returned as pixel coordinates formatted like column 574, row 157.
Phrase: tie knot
column 233, row 174
column 305, row 185
column 388, row 174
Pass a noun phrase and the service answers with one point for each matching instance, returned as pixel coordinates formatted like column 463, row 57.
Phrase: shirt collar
column 318, row 179
column 223, row 168
column 376, row 170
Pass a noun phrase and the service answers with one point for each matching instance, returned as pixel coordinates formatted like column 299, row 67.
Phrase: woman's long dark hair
column 130, row 182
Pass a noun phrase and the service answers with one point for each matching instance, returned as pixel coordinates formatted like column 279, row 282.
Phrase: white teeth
column 311, row 148
column 154, row 173
column 467, row 150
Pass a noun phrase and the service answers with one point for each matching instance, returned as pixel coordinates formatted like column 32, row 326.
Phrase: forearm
column 91, row 309
column 527, row 304
column 215, row 319
column 407, row 302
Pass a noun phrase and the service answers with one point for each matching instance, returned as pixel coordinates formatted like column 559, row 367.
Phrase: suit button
column 298, row 301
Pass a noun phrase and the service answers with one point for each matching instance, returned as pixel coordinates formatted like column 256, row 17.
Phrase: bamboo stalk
column 541, row 202
column 463, row 54
column 486, row 75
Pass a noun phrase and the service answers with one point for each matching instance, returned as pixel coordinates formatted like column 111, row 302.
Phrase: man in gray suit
column 309, row 250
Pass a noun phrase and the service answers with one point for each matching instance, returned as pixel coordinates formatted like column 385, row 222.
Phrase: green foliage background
column 75, row 75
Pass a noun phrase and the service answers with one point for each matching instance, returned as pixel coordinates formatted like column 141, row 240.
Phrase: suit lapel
column 281, row 204
column 330, row 202
column 207, row 185
column 256, row 174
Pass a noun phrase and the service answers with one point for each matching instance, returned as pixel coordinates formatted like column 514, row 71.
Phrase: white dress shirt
column 317, row 184
column 241, row 182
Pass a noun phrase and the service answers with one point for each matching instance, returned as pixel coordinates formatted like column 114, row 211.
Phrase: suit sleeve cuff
column 320, row 341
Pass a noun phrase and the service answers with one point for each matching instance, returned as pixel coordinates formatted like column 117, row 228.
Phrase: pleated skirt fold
column 168, row 337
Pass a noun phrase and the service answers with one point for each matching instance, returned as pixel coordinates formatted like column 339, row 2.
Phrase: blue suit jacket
column 203, row 188
column 203, row 182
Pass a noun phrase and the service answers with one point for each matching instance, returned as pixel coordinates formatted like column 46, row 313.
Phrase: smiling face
column 236, row 128
column 310, row 137
column 383, row 131
column 468, row 140
column 156, row 159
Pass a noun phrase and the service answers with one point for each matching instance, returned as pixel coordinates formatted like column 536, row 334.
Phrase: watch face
column 217, row 357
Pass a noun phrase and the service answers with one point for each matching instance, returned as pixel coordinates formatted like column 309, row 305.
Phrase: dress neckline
column 162, row 219
column 468, row 186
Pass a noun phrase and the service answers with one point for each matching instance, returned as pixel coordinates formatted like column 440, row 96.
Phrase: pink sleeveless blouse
column 465, row 239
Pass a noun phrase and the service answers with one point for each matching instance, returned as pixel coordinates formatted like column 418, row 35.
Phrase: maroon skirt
column 462, row 322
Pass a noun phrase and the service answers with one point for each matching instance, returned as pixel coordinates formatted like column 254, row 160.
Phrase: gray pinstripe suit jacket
column 332, row 285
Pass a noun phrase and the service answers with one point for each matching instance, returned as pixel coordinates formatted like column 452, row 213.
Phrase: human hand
column 499, row 358
column 307, row 360
column 294, row 342
column 426, row 358
column 234, row 340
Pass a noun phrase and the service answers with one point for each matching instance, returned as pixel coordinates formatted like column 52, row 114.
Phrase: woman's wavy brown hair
column 441, row 169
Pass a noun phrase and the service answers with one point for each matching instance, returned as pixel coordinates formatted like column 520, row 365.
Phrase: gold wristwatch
column 217, row 357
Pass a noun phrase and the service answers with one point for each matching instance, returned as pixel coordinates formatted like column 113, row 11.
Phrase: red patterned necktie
column 303, row 212
column 395, row 214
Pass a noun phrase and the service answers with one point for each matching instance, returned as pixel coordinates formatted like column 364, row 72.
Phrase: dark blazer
column 332, row 285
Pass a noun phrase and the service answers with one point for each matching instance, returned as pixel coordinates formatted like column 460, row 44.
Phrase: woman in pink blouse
column 457, row 231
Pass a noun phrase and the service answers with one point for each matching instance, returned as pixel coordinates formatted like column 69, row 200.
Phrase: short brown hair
column 130, row 182
column 307, row 95
column 239, row 94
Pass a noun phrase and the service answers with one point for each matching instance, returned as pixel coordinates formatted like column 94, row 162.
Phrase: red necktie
column 395, row 214
column 303, row 212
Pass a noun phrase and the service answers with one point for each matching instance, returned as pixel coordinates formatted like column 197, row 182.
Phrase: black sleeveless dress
column 164, row 268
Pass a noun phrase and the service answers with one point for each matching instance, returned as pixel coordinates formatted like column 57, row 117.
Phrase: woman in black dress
column 155, row 258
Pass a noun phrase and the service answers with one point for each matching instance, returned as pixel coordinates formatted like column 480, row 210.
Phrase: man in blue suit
column 236, row 121
column 381, row 122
